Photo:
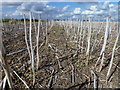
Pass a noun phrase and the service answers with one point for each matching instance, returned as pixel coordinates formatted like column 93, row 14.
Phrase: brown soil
column 20, row 62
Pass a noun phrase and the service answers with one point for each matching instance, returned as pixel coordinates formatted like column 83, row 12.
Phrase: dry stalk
column 37, row 43
column 51, row 79
column 4, row 82
column 26, row 41
column 73, row 74
column 113, row 53
column 104, row 44
column 95, row 80
column 31, row 48
column 88, row 40
column 46, row 33
column 35, row 25
column 4, row 62
column 21, row 79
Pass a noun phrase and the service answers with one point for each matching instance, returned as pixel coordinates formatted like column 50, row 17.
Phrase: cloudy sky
column 62, row 9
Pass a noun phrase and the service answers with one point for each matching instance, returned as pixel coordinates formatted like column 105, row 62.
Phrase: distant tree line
column 27, row 20
column 20, row 20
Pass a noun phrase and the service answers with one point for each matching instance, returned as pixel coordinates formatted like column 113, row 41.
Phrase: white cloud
column 111, row 5
column 100, row 12
column 90, row 15
column 105, row 5
column 113, row 11
column 103, row 9
column 57, row 0
column 94, row 8
column 66, row 7
column 32, row 6
column 88, row 12
column 49, row 1
column 60, row 15
column 74, row 17
column 11, row 4
column 46, row 10
column 77, row 11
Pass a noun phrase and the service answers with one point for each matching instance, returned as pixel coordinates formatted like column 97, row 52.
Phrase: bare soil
column 20, row 62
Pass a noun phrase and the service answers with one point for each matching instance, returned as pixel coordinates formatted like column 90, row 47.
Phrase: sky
column 62, row 9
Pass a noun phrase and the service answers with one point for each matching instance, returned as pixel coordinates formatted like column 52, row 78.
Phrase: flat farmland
column 65, row 54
